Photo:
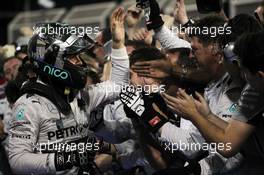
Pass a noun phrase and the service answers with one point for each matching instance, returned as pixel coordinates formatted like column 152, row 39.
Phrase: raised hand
column 152, row 13
column 202, row 105
column 117, row 28
column 183, row 104
column 180, row 13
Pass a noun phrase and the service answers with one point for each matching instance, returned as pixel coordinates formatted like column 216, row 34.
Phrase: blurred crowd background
column 25, row 13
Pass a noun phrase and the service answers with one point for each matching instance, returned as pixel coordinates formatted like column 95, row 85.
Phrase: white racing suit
column 36, row 121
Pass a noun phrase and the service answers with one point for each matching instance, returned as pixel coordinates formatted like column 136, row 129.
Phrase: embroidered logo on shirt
column 233, row 108
column 20, row 115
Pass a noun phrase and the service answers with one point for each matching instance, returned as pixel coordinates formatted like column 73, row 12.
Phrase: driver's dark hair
column 146, row 54
column 250, row 49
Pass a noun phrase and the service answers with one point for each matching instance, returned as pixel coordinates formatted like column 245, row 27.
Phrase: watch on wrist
column 189, row 23
column 107, row 58
column 185, row 26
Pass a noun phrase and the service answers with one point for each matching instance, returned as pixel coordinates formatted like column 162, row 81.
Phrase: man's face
column 255, row 80
column 173, row 57
column 202, row 53
column 11, row 68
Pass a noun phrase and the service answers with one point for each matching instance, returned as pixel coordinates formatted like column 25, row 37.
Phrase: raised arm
column 166, row 37
column 109, row 90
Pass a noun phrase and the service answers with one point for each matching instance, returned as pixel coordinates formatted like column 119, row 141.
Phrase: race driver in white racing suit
column 42, row 115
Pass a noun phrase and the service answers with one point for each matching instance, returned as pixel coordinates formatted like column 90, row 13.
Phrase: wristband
column 189, row 23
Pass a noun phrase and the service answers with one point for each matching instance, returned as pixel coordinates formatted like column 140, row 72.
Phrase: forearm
column 218, row 134
column 107, row 71
column 120, row 66
column 30, row 163
column 211, row 132
column 217, row 121
column 95, row 95
column 169, row 40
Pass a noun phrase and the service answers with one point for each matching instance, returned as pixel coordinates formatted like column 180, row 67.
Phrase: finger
column 141, row 35
column 170, row 98
column 148, row 33
column 140, row 67
column 114, row 12
column 149, row 75
column 197, row 103
column 143, row 71
column 113, row 17
column 184, row 94
column 200, row 97
column 179, row 94
column 143, row 75
column 143, row 63
column 169, row 103
column 135, row 37
column 119, row 14
column 123, row 16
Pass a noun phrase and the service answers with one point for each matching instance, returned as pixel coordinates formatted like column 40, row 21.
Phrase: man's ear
column 219, row 58
column 261, row 73
column 215, row 50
